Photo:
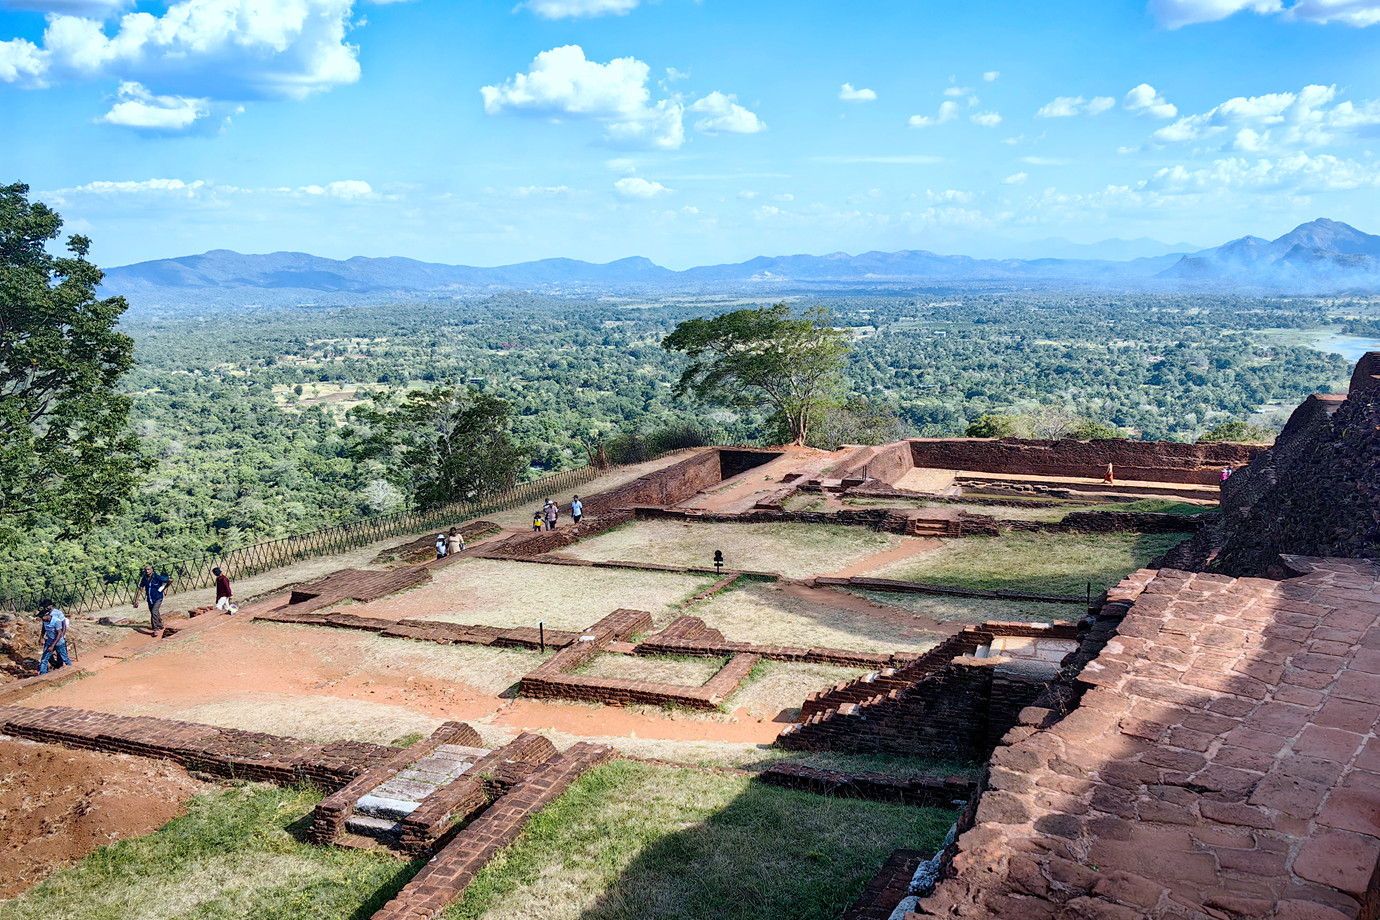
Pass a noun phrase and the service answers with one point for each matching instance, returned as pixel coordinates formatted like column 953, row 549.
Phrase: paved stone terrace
column 1223, row 763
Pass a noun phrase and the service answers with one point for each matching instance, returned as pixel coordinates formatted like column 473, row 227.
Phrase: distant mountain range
column 1316, row 257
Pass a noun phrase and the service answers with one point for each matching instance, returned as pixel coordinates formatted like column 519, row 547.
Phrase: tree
column 992, row 426
column 752, row 358
column 440, row 445
column 1237, row 432
column 1091, row 430
column 855, row 422
column 66, row 452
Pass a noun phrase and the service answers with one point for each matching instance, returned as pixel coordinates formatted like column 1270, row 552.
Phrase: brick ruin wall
column 887, row 462
column 1152, row 461
column 1317, row 491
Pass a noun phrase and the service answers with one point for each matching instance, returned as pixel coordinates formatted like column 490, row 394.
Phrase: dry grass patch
column 1046, row 563
column 971, row 610
column 310, row 718
column 630, row 841
column 761, row 613
column 775, row 687
column 490, row 592
column 662, row 669
column 792, row 550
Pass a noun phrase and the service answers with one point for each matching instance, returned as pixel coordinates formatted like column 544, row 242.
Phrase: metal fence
column 190, row 574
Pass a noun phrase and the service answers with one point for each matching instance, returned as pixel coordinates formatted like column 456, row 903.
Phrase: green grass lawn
column 1045, row 563
column 631, row 841
column 236, row 855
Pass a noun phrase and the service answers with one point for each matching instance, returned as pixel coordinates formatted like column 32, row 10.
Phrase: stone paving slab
column 1222, row 763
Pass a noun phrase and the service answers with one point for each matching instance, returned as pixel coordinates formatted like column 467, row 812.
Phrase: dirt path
column 57, row 805
column 843, row 600
column 910, row 547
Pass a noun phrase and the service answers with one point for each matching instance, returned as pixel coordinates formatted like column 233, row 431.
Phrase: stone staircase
column 379, row 813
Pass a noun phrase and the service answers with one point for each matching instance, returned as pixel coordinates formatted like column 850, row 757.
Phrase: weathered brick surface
column 220, row 751
column 328, row 819
column 1149, row 461
column 1317, row 491
column 1223, row 762
column 357, row 585
column 888, row 887
column 450, row 871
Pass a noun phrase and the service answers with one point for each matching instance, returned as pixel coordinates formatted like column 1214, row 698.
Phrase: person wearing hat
column 440, row 546
column 223, row 592
column 54, row 637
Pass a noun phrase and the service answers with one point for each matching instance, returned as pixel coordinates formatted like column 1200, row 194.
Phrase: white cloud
column 948, row 196
column 672, row 74
column 221, row 49
column 575, row 9
column 1299, row 173
column 723, row 113
column 1174, row 14
column 902, row 160
column 1015, row 179
column 202, row 192
column 948, row 111
column 1280, row 121
column 848, row 94
column 541, row 191
column 986, row 119
column 958, row 92
column 991, row 75
column 138, row 108
column 635, row 187
column 1045, row 161
column 1144, row 100
column 1069, row 106
column 100, row 9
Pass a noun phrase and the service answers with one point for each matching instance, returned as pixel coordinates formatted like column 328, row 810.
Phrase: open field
column 636, row 841
column 792, row 550
column 491, row 592
column 766, row 614
column 970, row 609
column 236, row 855
column 1047, row 563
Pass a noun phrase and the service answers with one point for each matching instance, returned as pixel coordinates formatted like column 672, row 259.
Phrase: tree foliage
column 66, row 454
column 1237, row 432
column 751, row 358
column 440, row 445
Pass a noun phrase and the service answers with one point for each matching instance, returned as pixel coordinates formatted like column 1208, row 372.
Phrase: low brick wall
column 690, row 636
column 450, row 871
column 936, row 791
column 1148, row 461
column 462, row 798
column 224, row 752
column 428, row 630
column 540, row 542
column 331, row 813
column 911, row 587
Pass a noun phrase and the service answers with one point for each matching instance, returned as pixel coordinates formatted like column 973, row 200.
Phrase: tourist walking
column 154, row 586
column 538, row 519
column 1226, row 473
column 553, row 511
column 440, row 546
column 1109, row 477
column 455, row 543
column 223, row 593
column 577, row 510
column 54, row 637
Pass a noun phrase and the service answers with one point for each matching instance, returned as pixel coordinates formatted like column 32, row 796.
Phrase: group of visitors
column 152, row 586
column 448, row 544
column 547, row 515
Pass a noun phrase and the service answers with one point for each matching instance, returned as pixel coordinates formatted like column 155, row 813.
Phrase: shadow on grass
column 632, row 841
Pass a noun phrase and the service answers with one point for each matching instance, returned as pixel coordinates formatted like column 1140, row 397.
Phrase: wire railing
column 190, row 574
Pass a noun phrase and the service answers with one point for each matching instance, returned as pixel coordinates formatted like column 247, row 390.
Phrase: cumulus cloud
column 986, row 119
column 1307, row 118
column 1069, row 106
column 948, row 111
column 1015, row 179
column 848, row 94
column 99, row 9
column 138, row 108
column 636, row 187
column 1174, row 14
column 1298, row 173
column 991, row 75
column 563, row 82
column 1144, row 100
column 722, row 113
column 222, row 49
column 958, row 92
column 575, row 9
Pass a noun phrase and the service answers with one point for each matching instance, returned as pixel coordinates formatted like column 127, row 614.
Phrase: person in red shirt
column 223, row 592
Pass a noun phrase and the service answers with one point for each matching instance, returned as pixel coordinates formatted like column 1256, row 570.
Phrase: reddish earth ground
column 58, row 805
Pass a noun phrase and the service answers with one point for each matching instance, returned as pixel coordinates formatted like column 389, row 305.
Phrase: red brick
column 1328, row 743
column 1338, row 859
column 1349, row 715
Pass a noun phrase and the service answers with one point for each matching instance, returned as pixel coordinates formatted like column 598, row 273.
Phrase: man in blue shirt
column 54, row 637
column 153, row 585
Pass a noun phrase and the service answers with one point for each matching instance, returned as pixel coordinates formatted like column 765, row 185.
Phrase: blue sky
column 687, row 131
